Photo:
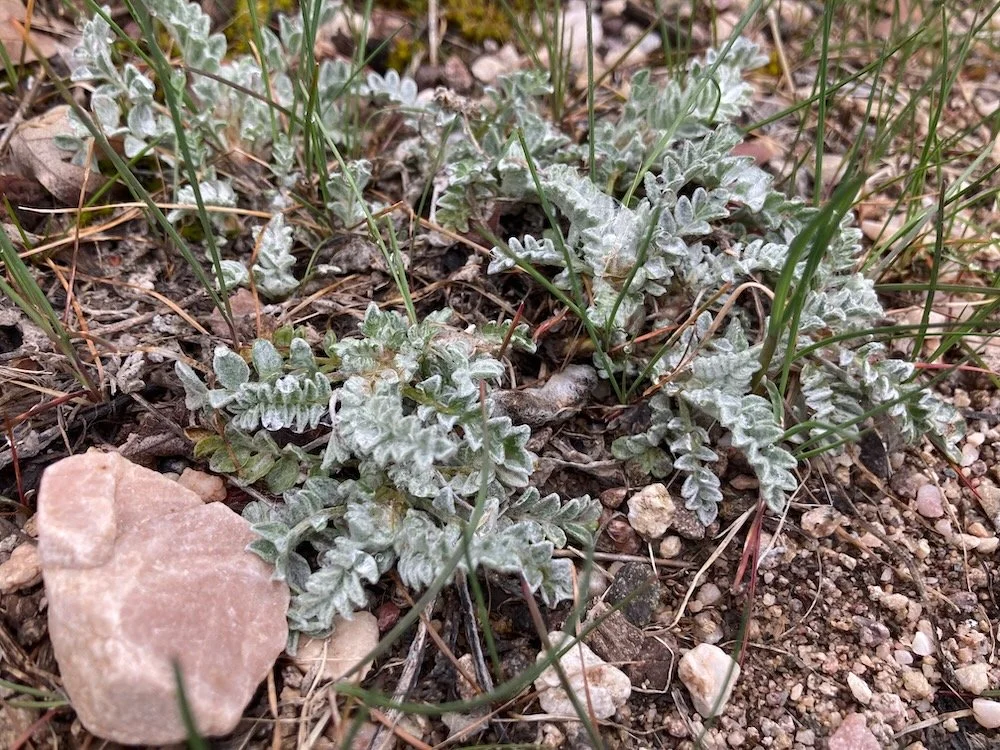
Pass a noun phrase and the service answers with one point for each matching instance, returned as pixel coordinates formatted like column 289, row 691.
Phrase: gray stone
column 687, row 524
column 140, row 574
column 636, row 585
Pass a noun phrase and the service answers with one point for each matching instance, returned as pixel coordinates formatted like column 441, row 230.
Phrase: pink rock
column 853, row 734
column 929, row 501
column 138, row 574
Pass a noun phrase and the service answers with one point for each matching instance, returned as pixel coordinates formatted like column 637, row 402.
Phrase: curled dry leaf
column 13, row 22
column 762, row 148
column 34, row 153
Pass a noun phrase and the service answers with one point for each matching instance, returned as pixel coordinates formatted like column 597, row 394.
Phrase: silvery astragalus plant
column 412, row 455
column 669, row 247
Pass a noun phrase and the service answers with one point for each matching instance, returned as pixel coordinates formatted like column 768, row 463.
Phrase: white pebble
column 970, row 454
column 922, row 644
column 988, row 546
column 709, row 674
column 986, row 712
column 975, row 678
column 859, row 689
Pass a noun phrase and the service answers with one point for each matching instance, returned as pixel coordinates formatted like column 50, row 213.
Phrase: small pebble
column 916, row 684
column 707, row 629
column 965, row 542
column 859, row 689
column 709, row 674
column 988, row 546
column 929, row 501
column 896, row 602
column 821, row 522
column 922, row 644
column 210, row 488
column 978, row 529
column 651, row 510
column 970, row 454
column 853, row 734
column 744, row 482
column 338, row 654
column 709, row 594
column 670, row 547
column 22, row 570
column 986, row 713
column 974, row 678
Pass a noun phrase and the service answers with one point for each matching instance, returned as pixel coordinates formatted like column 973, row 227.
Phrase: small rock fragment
column 922, row 644
column 930, row 503
column 744, row 482
column 651, row 510
column 965, row 542
column 611, row 636
column 21, row 570
column 589, row 676
column 488, row 68
column 709, row 674
column 210, row 488
column 687, row 524
column 988, row 495
column 613, row 497
column 552, row 738
column 974, row 678
column 670, row 547
column 821, row 522
column 916, row 683
column 707, row 628
column 970, row 454
column 986, row 713
column 988, row 546
column 859, row 689
column 139, row 573
column 853, row 734
column 457, row 75
column 709, row 594
column 636, row 582
column 347, row 645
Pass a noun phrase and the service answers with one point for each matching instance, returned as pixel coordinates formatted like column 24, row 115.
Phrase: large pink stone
column 139, row 573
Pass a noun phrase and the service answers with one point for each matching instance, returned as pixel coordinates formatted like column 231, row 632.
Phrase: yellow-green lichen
column 475, row 20
column 239, row 33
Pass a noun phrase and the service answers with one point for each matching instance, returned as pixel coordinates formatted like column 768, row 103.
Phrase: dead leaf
column 13, row 22
column 762, row 148
column 34, row 153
